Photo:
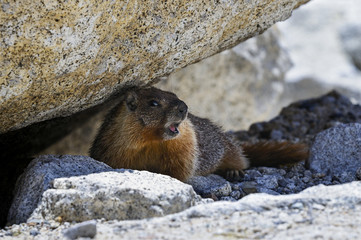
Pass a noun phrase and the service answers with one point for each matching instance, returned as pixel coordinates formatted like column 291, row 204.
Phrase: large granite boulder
column 58, row 58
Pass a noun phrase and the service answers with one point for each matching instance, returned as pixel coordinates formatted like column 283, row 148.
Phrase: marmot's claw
column 234, row 175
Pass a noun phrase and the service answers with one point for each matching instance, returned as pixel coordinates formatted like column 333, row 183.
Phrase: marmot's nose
column 182, row 107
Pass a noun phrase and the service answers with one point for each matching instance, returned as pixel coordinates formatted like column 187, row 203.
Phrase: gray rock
column 38, row 177
column 86, row 229
column 211, row 186
column 114, row 195
column 337, row 151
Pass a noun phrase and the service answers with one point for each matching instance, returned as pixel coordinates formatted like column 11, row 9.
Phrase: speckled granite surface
column 59, row 57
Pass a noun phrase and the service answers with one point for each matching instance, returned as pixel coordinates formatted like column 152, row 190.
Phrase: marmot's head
column 157, row 111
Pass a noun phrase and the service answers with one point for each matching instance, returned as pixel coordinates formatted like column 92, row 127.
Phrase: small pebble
column 297, row 205
column 252, row 174
column 308, row 173
column 289, row 175
column 228, row 198
column 306, row 179
column 276, row 135
column 267, row 181
column 54, row 225
column 235, row 187
column 291, row 186
column 318, row 206
column 282, row 172
column 86, row 229
column 236, row 194
column 283, row 182
column 268, row 170
column 268, row 191
column 34, row 232
column 318, row 175
column 249, row 187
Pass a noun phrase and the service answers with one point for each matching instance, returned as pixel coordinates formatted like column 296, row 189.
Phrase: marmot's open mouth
column 171, row 130
column 174, row 128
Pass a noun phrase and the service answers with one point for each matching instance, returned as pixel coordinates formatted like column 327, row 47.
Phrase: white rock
column 114, row 195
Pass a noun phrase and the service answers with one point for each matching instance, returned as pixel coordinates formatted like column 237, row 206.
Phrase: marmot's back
column 214, row 147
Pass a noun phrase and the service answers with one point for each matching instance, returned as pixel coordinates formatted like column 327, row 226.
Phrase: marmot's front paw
column 234, row 175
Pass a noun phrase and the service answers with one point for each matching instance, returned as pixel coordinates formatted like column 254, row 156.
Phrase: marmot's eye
column 154, row 103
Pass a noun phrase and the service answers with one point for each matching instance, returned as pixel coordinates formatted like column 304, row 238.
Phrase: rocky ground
column 317, row 213
column 301, row 122
column 330, row 125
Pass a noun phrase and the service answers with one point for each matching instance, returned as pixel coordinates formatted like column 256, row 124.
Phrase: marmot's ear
column 131, row 100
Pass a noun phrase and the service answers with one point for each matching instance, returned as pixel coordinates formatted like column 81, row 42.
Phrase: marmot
column 151, row 129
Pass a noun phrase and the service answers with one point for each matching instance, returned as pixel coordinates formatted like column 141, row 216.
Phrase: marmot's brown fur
column 151, row 129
